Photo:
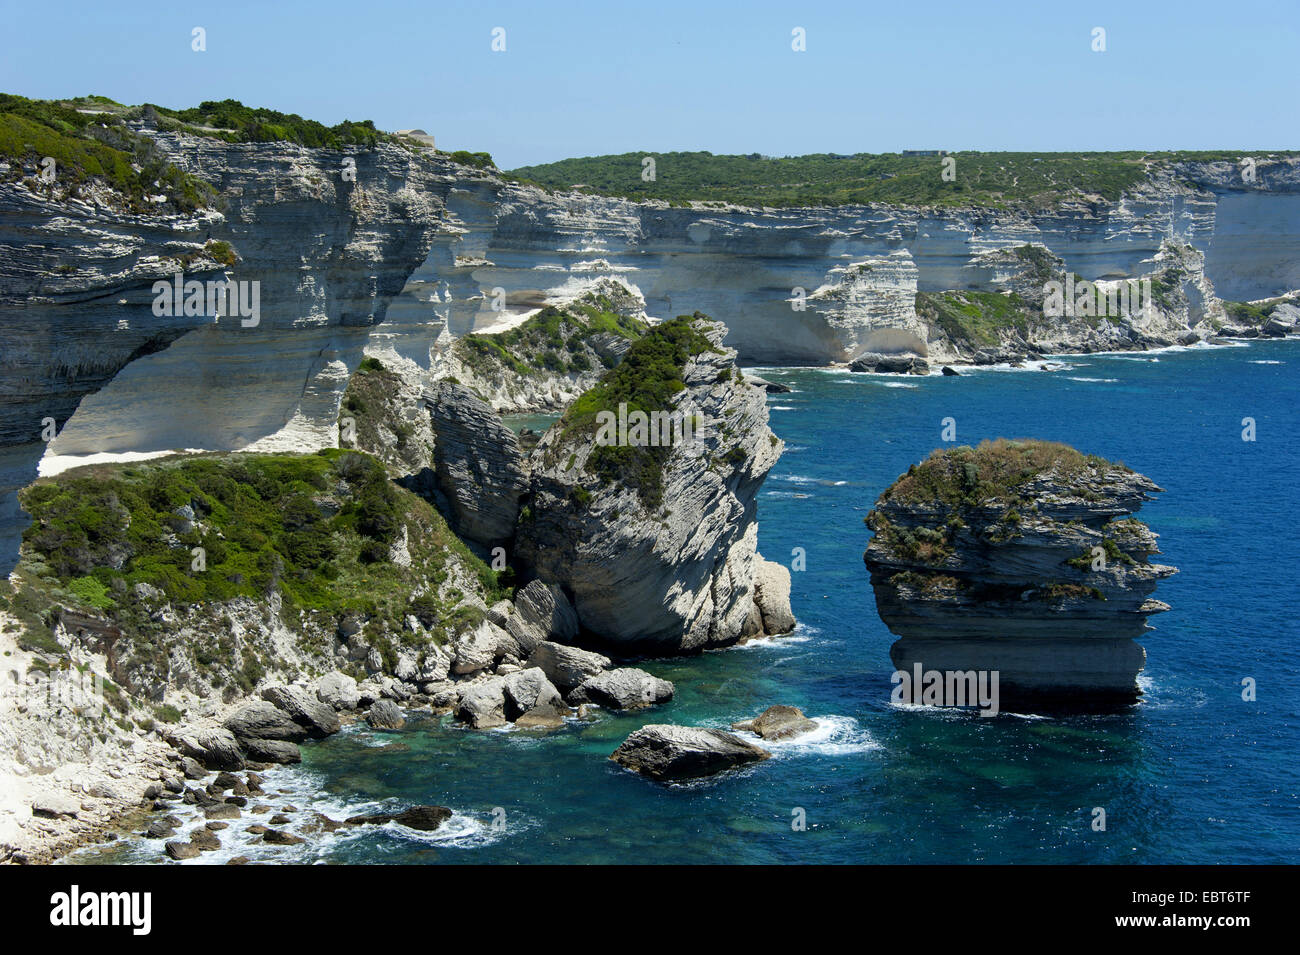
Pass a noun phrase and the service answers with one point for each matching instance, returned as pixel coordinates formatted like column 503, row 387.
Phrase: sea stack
column 1022, row 558
column 653, row 536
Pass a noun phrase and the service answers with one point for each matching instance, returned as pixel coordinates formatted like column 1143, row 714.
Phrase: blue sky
column 586, row 78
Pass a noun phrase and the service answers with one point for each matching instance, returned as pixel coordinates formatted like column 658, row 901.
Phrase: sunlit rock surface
column 1021, row 558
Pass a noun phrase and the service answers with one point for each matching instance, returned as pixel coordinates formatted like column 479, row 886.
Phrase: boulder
column 385, row 715
column 777, row 723
column 424, row 818
column 179, row 851
column 666, row 753
column 263, row 720
column 547, row 610
column 278, row 837
column 160, row 829
column 338, row 690
column 305, row 709
column 272, row 750
column 205, row 839
column 480, row 648
column 567, row 667
column 483, row 705
column 527, row 635
column 626, row 688
column 435, row 666
column 226, row 781
column 368, row 691
column 214, row 748
column 530, row 693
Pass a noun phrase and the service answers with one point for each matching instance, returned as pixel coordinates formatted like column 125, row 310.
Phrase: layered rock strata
column 1019, row 557
column 656, row 546
column 480, row 470
column 418, row 248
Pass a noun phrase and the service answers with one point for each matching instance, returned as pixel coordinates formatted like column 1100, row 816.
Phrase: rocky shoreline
column 369, row 602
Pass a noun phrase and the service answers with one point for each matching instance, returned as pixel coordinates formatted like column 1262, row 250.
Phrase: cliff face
column 418, row 247
column 1018, row 557
column 657, row 546
column 480, row 470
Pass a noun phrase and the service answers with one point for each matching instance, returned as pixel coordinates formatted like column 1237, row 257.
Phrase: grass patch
column 315, row 528
column 974, row 318
column 557, row 340
column 996, row 472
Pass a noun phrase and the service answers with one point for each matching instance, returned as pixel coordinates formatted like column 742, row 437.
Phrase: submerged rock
column 1018, row 557
column 665, row 753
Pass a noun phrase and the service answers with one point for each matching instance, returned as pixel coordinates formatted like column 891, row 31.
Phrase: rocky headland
column 657, row 544
column 1020, row 557
column 238, row 606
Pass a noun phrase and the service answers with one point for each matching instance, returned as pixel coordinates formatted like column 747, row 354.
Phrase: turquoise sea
column 1192, row 774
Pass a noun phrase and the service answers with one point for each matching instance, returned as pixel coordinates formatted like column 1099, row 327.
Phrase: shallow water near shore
column 1192, row 774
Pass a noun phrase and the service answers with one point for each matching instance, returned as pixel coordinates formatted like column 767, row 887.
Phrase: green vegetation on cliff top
column 974, row 318
column 991, row 179
column 647, row 379
column 551, row 342
column 92, row 146
column 232, row 121
column 89, row 139
column 996, row 472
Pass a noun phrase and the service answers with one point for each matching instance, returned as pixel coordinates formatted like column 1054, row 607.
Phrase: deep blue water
column 1192, row 774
